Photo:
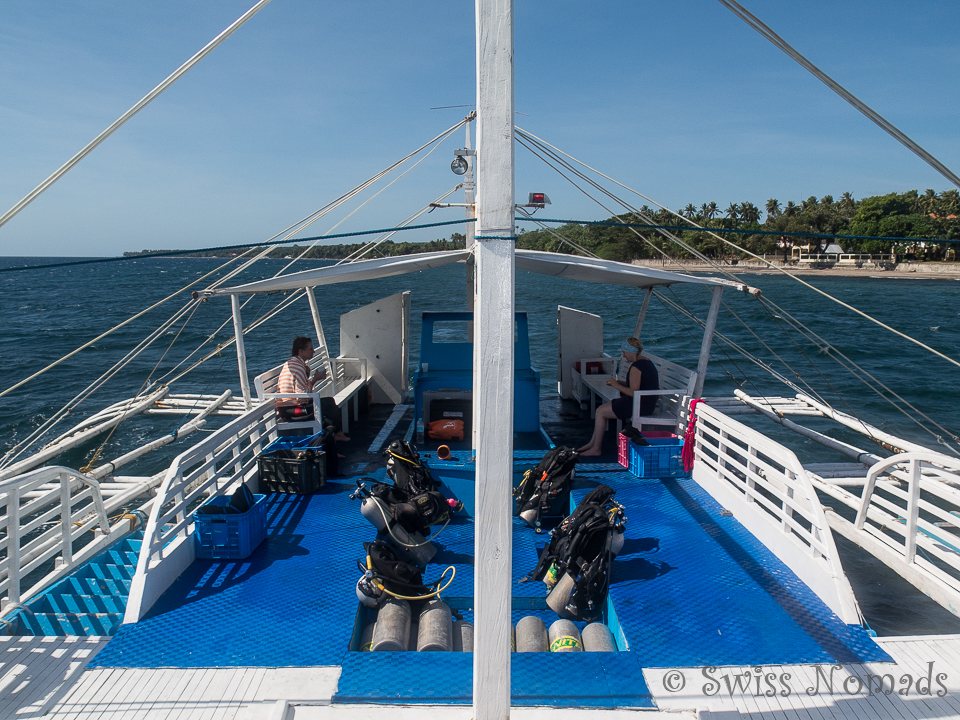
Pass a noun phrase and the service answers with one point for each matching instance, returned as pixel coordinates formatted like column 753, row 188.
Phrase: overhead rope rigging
column 265, row 248
column 875, row 117
column 551, row 155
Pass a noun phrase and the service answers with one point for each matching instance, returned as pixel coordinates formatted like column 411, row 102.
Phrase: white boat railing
column 45, row 512
column 763, row 484
column 911, row 504
column 213, row 467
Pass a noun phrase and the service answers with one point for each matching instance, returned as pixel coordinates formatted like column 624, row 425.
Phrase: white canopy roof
column 576, row 267
column 348, row 272
column 573, row 267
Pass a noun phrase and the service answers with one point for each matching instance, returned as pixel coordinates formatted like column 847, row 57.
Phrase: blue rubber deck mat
column 690, row 587
column 555, row 679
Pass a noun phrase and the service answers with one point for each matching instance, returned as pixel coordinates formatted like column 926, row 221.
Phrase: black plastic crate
column 299, row 476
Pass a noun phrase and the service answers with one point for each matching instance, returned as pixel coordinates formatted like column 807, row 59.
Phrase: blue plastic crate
column 662, row 458
column 230, row 536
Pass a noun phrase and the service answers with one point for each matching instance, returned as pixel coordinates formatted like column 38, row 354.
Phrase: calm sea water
column 45, row 314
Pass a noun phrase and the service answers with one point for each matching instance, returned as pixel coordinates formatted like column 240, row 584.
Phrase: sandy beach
column 903, row 271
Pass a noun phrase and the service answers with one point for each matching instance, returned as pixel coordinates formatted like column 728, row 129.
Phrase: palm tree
column 689, row 211
column 773, row 208
column 749, row 213
column 712, row 210
column 733, row 211
column 790, row 209
column 949, row 203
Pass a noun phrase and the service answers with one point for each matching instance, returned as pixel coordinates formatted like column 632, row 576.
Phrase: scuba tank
column 462, row 636
column 410, row 546
column 366, row 638
column 436, row 628
column 393, row 626
column 532, row 635
column 413, row 547
column 564, row 637
column 598, row 638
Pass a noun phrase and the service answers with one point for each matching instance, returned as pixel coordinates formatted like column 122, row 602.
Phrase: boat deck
column 691, row 587
column 39, row 678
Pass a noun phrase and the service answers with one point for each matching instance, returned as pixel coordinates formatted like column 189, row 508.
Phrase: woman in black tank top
column 642, row 375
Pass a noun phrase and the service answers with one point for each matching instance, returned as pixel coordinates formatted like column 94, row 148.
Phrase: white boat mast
column 493, row 358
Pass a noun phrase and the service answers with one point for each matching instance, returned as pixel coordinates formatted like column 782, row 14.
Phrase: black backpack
column 385, row 567
column 409, row 474
column 421, row 511
column 584, row 545
column 414, row 499
column 545, row 488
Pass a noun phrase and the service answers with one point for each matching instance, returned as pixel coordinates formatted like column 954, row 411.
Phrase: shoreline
column 903, row 271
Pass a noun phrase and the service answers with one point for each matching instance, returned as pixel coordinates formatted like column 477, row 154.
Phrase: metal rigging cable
column 757, row 257
column 543, row 145
column 753, row 21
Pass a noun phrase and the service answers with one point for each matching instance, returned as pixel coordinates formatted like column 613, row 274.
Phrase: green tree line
column 897, row 215
column 910, row 216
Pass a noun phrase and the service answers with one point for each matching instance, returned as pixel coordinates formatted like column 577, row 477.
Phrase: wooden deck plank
column 204, row 697
column 789, row 710
column 165, row 677
column 25, row 662
column 13, row 648
column 140, row 709
column 227, row 682
column 750, row 704
column 231, row 704
column 170, row 692
column 113, row 701
column 919, row 654
column 54, row 667
column 84, row 692
column 842, row 704
column 192, row 692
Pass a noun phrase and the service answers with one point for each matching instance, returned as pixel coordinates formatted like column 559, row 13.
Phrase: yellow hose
column 435, row 593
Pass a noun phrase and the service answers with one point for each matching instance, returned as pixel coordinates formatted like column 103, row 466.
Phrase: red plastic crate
column 623, row 453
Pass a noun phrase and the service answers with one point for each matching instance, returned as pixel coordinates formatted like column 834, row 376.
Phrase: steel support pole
column 321, row 340
column 643, row 312
column 708, row 331
column 241, row 351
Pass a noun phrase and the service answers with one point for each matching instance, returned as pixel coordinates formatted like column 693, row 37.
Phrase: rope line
column 753, row 359
column 373, row 244
column 881, row 122
column 146, row 100
column 175, row 253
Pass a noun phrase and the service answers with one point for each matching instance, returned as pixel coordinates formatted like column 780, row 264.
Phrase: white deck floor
column 44, row 677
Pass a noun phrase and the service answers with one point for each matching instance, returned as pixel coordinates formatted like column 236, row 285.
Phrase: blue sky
column 680, row 100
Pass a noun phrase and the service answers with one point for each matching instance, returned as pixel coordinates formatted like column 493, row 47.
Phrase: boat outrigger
column 728, row 593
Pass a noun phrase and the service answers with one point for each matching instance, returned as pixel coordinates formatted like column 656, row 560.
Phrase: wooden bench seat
column 676, row 384
column 345, row 378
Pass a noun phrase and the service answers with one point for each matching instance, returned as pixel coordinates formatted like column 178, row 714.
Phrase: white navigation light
column 459, row 165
